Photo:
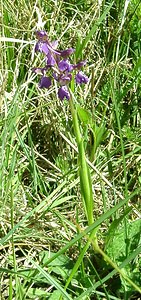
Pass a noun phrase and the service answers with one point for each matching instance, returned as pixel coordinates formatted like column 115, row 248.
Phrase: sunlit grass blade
column 92, row 31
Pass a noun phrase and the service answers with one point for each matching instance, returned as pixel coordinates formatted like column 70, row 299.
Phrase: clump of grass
column 46, row 247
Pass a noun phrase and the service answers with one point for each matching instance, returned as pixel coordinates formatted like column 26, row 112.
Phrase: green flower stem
column 80, row 259
column 85, row 178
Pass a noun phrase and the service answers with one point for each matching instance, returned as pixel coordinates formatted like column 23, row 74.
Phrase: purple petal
column 37, row 47
column 43, row 44
column 81, row 78
column 67, row 52
column 50, row 59
column 80, row 64
column 54, row 44
column 41, row 47
column 64, row 65
column 55, row 76
column 63, row 93
column 45, row 48
column 65, row 79
column 45, row 82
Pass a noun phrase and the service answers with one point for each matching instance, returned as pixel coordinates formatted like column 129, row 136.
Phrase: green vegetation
column 70, row 171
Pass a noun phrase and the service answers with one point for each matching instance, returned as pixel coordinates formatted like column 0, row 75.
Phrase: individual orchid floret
column 43, row 39
column 64, row 79
column 63, row 93
column 81, row 78
column 80, row 64
column 64, row 65
column 49, row 49
column 45, row 82
column 67, row 52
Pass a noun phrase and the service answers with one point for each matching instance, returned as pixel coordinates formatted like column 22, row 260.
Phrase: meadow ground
column 70, row 174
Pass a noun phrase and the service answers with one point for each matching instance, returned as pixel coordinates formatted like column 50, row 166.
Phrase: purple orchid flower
column 81, row 78
column 45, row 82
column 80, row 64
column 67, row 52
column 41, row 35
column 64, row 65
column 43, row 45
column 64, row 79
column 58, row 63
column 50, row 60
column 63, row 93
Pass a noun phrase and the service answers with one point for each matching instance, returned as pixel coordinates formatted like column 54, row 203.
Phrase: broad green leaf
column 55, row 295
column 98, row 135
column 110, row 275
column 37, row 293
column 98, row 132
column 117, row 245
column 60, row 271
column 51, row 280
column 84, row 115
column 114, row 227
column 134, row 274
column 58, row 261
